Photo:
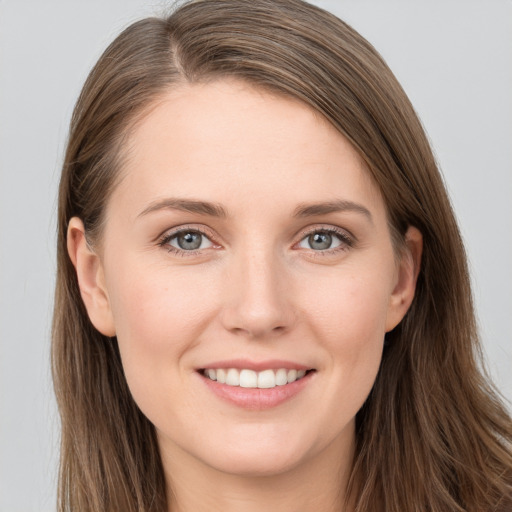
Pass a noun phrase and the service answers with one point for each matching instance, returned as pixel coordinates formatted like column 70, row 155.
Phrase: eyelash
column 167, row 237
column 347, row 241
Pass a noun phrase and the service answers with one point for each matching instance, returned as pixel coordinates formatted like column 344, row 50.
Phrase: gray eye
column 190, row 241
column 321, row 241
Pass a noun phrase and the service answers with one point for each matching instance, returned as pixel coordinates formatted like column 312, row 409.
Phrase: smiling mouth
column 246, row 378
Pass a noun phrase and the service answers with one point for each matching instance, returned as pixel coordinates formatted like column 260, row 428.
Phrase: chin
column 255, row 465
column 250, row 458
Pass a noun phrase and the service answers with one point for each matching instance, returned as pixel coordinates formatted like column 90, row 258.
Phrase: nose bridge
column 258, row 303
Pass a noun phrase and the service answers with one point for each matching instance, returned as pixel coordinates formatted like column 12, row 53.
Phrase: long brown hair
column 433, row 434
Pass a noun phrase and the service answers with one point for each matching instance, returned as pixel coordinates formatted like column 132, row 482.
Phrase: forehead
column 227, row 138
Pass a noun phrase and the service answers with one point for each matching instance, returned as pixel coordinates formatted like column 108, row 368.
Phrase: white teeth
column 265, row 379
column 291, row 376
column 281, row 377
column 248, row 379
column 233, row 377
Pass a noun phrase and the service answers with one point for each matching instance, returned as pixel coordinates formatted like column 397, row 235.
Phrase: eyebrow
column 217, row 210
column 324, row 208
column 186, row 205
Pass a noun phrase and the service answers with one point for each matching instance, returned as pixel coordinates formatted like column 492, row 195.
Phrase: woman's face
column 247, row 242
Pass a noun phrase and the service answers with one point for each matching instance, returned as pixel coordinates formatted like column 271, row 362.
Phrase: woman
column 262, row 294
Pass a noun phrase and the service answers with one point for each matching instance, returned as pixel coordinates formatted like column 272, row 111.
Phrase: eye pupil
column 320, row 241
column 189, row 241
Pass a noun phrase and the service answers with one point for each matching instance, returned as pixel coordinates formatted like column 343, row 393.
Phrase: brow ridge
column 217, row 210
column 324, row 208
column 187, row 205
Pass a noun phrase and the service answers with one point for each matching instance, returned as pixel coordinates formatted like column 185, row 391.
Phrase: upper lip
column 257, row 366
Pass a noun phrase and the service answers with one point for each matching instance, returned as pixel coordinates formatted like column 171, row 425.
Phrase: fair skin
column 259, row 281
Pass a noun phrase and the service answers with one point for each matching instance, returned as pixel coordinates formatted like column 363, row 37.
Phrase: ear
column 91, row 279
column 407, row 275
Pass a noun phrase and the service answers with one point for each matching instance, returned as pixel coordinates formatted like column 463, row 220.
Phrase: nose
column 258, row 303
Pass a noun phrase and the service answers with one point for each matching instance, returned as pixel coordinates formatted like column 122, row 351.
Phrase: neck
column 317, row 484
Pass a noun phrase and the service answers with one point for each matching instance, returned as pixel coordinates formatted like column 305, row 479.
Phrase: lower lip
column 256, row 398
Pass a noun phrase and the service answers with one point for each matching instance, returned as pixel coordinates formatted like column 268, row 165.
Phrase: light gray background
column 454, row 59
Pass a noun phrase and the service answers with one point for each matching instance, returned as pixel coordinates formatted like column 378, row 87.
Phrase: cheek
column 349, row 320
column 158, row 315
column 352, row 305
column 156, row 307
